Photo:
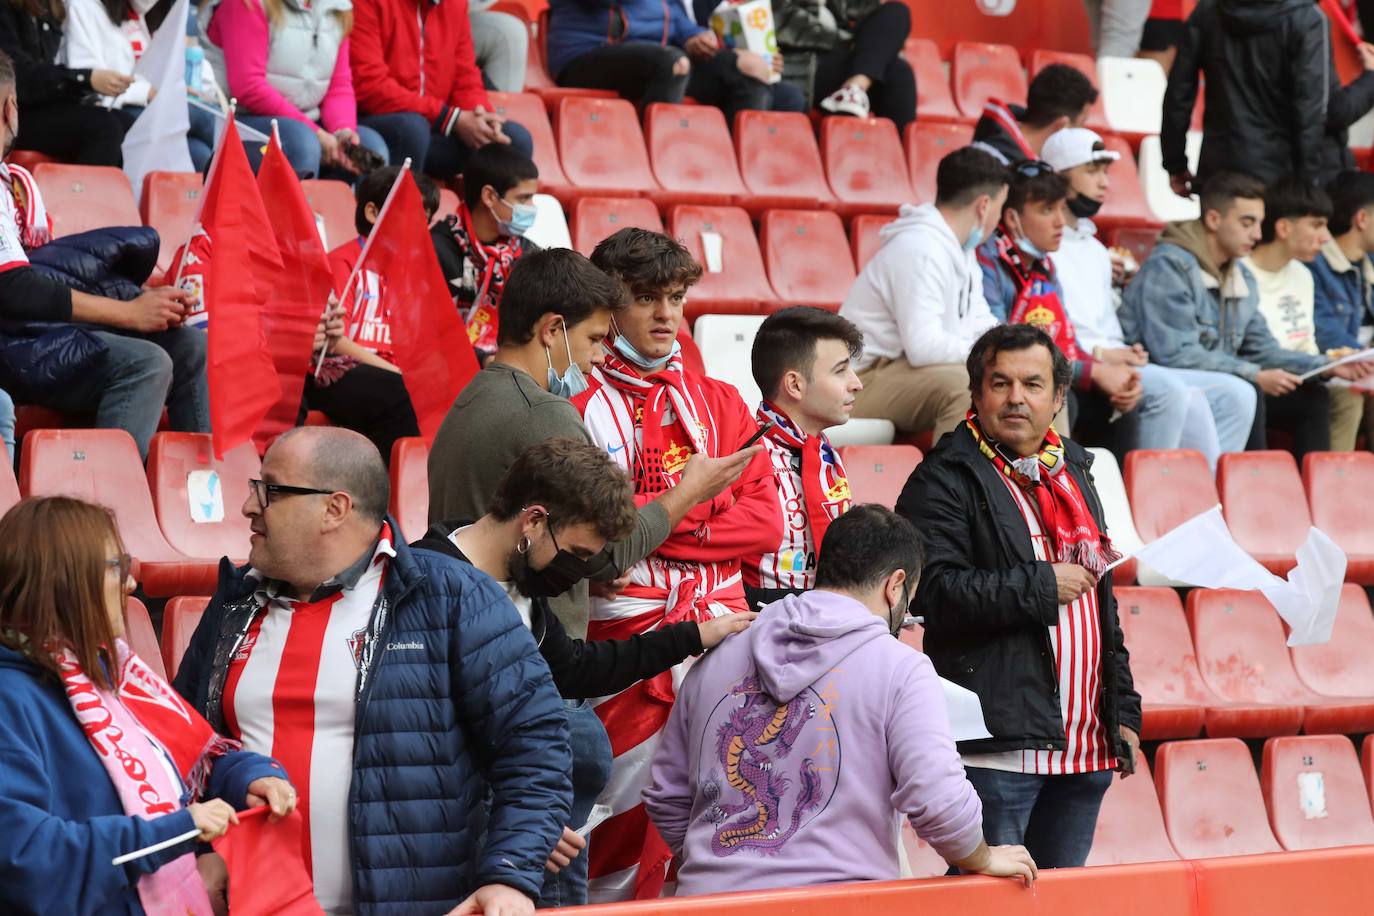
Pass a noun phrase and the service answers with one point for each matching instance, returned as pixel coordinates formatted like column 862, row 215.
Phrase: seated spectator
column 1344, row 273
column 418, row 85
column 500, row 44
column 1059, row 97
column 101, row 757
column 919, row 302
column 1195, row 306
column 1179, row 408
column 7, row 426
column 848, row 56
column 803, row 361
column 479, row 246
column 1291, row 237
column 722, row 88
column 819, row 671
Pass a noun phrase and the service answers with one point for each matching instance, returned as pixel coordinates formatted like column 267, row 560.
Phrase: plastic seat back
column 934, row 101
column 1163, row 662
column 84, row 197
column 140, row 635
column 807, row 256
column 550, row 229
column 333, row 203
column 926, row 145
column 1154, row 180
column 596, row 218
column 779, row 160
column 1125, row 204
column 1315, row 792
column 1111, row 490
column 691, row 152
column 179, row 621
column 1130, row 824
column 877, row 473
column 982, row 71
column 1330, row 478
column 865, row 237
column 1132, row 93
column 1083, row 63
column 529, row 111
column 602, row 147
column 865, row 165
column 1167, row 487
column 1341, row 666
column 1241, row 648
column 1265, row 506
column 741, row 277
column 410, row 486
column 170, row 203
column 726, row 342
column 1211, row 799
column 198, row 497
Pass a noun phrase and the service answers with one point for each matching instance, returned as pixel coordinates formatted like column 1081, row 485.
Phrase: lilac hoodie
column 792, row 747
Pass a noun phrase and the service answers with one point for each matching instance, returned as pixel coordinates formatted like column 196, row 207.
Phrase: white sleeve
column 83, row 43
column 920, row 294
column 136, row 95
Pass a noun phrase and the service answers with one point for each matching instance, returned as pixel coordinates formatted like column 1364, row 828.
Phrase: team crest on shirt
column 355, row 645
column 675, row 458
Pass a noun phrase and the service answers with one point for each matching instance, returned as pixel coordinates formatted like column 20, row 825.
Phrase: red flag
column 300, row 292
column 428, row 338
column 266, row 871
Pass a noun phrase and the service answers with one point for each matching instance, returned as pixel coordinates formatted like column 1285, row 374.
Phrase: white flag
column 157, row 140
column 1202, row 552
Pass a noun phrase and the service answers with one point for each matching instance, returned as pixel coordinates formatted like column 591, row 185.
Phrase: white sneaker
column 848, row 100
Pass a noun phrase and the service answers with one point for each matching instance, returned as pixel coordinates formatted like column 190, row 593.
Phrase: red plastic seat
column 410, row 486
column 170, row 203
column 1083, row 63
column 1315, row 792
column 1167, row 487
column 1130, row 824
column 877, row 473
column 1139, row 242
column 596, row 218
column 1330, row 478
column 28, row 158
column 934, row 101
column 172, row 459
column 1211, row 799
column 538, row 79
column 691, row 354
column 807, row 256
column 865, row 236
column 926, row 145
column 1265, row 506
column 692, row 155
column 779, row 161
column 103, row 466
column 602, row 148
column 529, row 111
column 982, row 71
column 9, row 485
column 332, row 202
column 179, row 621
column 1173, row 696
column 1125, row 205
column 84, row 197
column 865, row 165
column 1367, row 766
column 741, row 287
column 1341, row 666
column 140, row 635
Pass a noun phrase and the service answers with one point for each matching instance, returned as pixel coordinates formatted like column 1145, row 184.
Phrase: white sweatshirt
column 1084, row 267
column 921, row 295
column 90, row 41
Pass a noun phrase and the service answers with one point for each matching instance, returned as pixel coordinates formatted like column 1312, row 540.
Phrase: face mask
column 521, row 219
column 1084, row 207
column 626, row 349
column 1030, row 249
column 573, row 382
column 898, row 614
column 12, row 125
column 563, row 572
column 975, row 238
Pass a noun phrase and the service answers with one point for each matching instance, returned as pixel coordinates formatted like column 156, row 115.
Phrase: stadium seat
column 865, row 165
column 602, row 148
column 595, row 218
column 926, row 145
column 84, row 197
column 1315, row 792
column 1341, row 666
column 725, row 342
column 1330, row 478
column 865, row 238
column 779, row 161
column 179, row 621
column 410, row 486
column 1125, row 205
column 1130, row 824
column 103, row 466
column 934, row 101
column 1132, row 93
column 538, row 79
column 529, row 111
column 740, row 286
column 550, row 229
column 333, row 203
column 9, row 485
column 140, row 635
column 1139, row 242
column 1265, row 507
column 1083, row 63
column 199, row 498
column 28, row 158
column 877, row 473
column 1165, row 204
column 1111, row 490
column 862, row 431
column 981, row 71
column 1367, row 766
column 1173, row 696
column 807, row 256
column 691, row 354
column 1166, row 487
column 1211, row 799
column 692, row 155
column 171, row 201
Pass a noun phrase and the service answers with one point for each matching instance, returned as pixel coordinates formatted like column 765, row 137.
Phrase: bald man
column 396, row 686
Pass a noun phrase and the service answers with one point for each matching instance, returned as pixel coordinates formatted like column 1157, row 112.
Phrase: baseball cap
column 1074, row 146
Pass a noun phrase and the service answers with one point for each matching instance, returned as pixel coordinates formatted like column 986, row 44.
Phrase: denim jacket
column 1342, row 297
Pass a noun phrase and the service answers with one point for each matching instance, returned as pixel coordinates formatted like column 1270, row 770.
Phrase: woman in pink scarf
column 99, row 756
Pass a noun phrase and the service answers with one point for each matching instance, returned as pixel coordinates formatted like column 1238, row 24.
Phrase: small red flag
column 266, row 872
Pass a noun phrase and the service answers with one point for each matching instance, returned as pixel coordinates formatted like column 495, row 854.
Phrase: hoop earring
column 523, row 546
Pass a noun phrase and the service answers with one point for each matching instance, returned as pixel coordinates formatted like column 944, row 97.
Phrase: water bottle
column 195, row 59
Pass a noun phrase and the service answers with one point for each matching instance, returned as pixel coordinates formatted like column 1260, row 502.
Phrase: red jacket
column 415, row 55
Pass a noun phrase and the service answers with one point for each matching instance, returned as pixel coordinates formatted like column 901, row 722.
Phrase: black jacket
column 33, row 42
column 988, row 602
column 582, row 668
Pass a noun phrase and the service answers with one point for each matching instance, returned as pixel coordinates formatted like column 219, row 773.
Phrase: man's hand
column 705, row 478
column 1277, row 382
column 1011, row 862
column 110, row 82
column 274, row 792
column 608, row 589
column 494, row 900
column 702, row 45
column 753, row 65
column 214, row 874
column 1119, row 382
column 478, row 127
column 714, row 631
column 1132, row 747
column 1353, row 372
column 1366, row 52
column 1182, row 184
column 567, row 849
column 1072, row 581
column 156, row 309
column 1126, row 356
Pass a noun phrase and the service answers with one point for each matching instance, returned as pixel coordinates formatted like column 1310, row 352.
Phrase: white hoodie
column 921, row 296
column 1084, row 267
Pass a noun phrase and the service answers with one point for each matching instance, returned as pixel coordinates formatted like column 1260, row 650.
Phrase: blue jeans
column 1171, row 417
column 591, row 753
column 7, row 424
column 302, row 147
column 1054, row 817
column 409, row 136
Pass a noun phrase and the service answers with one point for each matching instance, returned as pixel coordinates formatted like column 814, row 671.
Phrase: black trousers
column 368, row 400
column 1304, row 413
column 1090, row 417
column 72, row 132
column 638, row 70
column 875, row 52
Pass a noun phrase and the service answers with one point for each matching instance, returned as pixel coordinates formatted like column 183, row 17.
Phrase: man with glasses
column 398, row 687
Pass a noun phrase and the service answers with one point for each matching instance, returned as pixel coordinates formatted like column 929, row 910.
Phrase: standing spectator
column 848, row 56
column 821, row 668
column 7, row 426
column 400, row 680
column 418, row 85
column 500, row 45
column 1018, row 604
column 1164, row 32
column 1117, row 25
column 98, row 752
column 1344, row 273
column 919, row 302
column 1059, row 97
column 803, row 362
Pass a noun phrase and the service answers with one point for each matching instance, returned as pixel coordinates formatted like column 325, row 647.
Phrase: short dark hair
column 7, row 78
column 967, row 174
column 376, row 185
column 787, row 340
column 499, row 165
column 577, row 482
column 1350, row 192
column 557, row 280
column 865, row 546
column 1058, row 91
column 1291, row 198
column 1011, row 338
column 646, row 262
column 1225, row 188
column 1036, row 186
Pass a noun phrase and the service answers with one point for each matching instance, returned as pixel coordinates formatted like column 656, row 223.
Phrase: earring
column 523, row 546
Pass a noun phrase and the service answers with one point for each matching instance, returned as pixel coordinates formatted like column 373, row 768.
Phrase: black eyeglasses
column 1033, row 168
column 264, row 492
column 123, row 563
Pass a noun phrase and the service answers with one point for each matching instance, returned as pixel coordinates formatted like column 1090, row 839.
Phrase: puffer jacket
column 579, row 26
column 1343, row 297
column 113, row 262
column 452, row 700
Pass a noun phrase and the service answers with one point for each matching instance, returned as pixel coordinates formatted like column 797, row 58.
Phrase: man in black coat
column 1018, row 602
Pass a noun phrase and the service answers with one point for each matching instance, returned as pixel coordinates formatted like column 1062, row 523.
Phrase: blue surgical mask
column 572, row 382
column 626, row 349
column 1030, row 249
column 975, row 238
column 521, row 219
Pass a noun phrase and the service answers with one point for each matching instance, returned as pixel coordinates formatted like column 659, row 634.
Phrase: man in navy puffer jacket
column 401, row 681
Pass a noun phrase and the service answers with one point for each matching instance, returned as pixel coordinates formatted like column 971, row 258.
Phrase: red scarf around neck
column 1037, row 296
column 824, row 485
column 661, row 456
column 494, row 261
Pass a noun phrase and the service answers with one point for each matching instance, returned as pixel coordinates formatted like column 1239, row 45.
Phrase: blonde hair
column 274, row 11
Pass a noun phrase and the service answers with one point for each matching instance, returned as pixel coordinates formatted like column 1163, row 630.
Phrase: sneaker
column 848, row 100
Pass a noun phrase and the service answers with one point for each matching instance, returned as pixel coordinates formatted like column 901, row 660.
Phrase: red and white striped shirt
column 1077, row 644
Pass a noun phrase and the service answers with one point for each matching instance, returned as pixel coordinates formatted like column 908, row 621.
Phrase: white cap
column 1074, row 146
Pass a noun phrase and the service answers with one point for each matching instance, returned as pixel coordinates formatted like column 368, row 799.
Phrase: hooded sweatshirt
column 1084, row 267
column 814, row 724
column 921, row 295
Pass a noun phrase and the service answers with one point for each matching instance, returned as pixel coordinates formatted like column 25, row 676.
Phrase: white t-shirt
column 523, row 605
column 1287, row 300
column 1084, row 268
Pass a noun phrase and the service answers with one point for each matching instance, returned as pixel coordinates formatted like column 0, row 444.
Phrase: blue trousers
column 302, row 147
column 591, row 753
column 1054, row 817
column 410, row 136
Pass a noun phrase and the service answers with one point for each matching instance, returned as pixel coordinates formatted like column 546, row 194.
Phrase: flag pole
column 210, row 176
column 156, row 847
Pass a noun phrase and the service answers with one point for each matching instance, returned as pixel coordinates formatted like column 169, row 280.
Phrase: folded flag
column 266, row 873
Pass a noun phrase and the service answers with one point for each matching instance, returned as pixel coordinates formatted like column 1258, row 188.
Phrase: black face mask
column 1084, row 207
column 563, row 572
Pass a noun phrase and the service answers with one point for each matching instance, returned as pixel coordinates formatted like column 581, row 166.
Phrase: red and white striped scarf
column 654, row 470
column 30, row 216
column 495, row 261
column 824, row 485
